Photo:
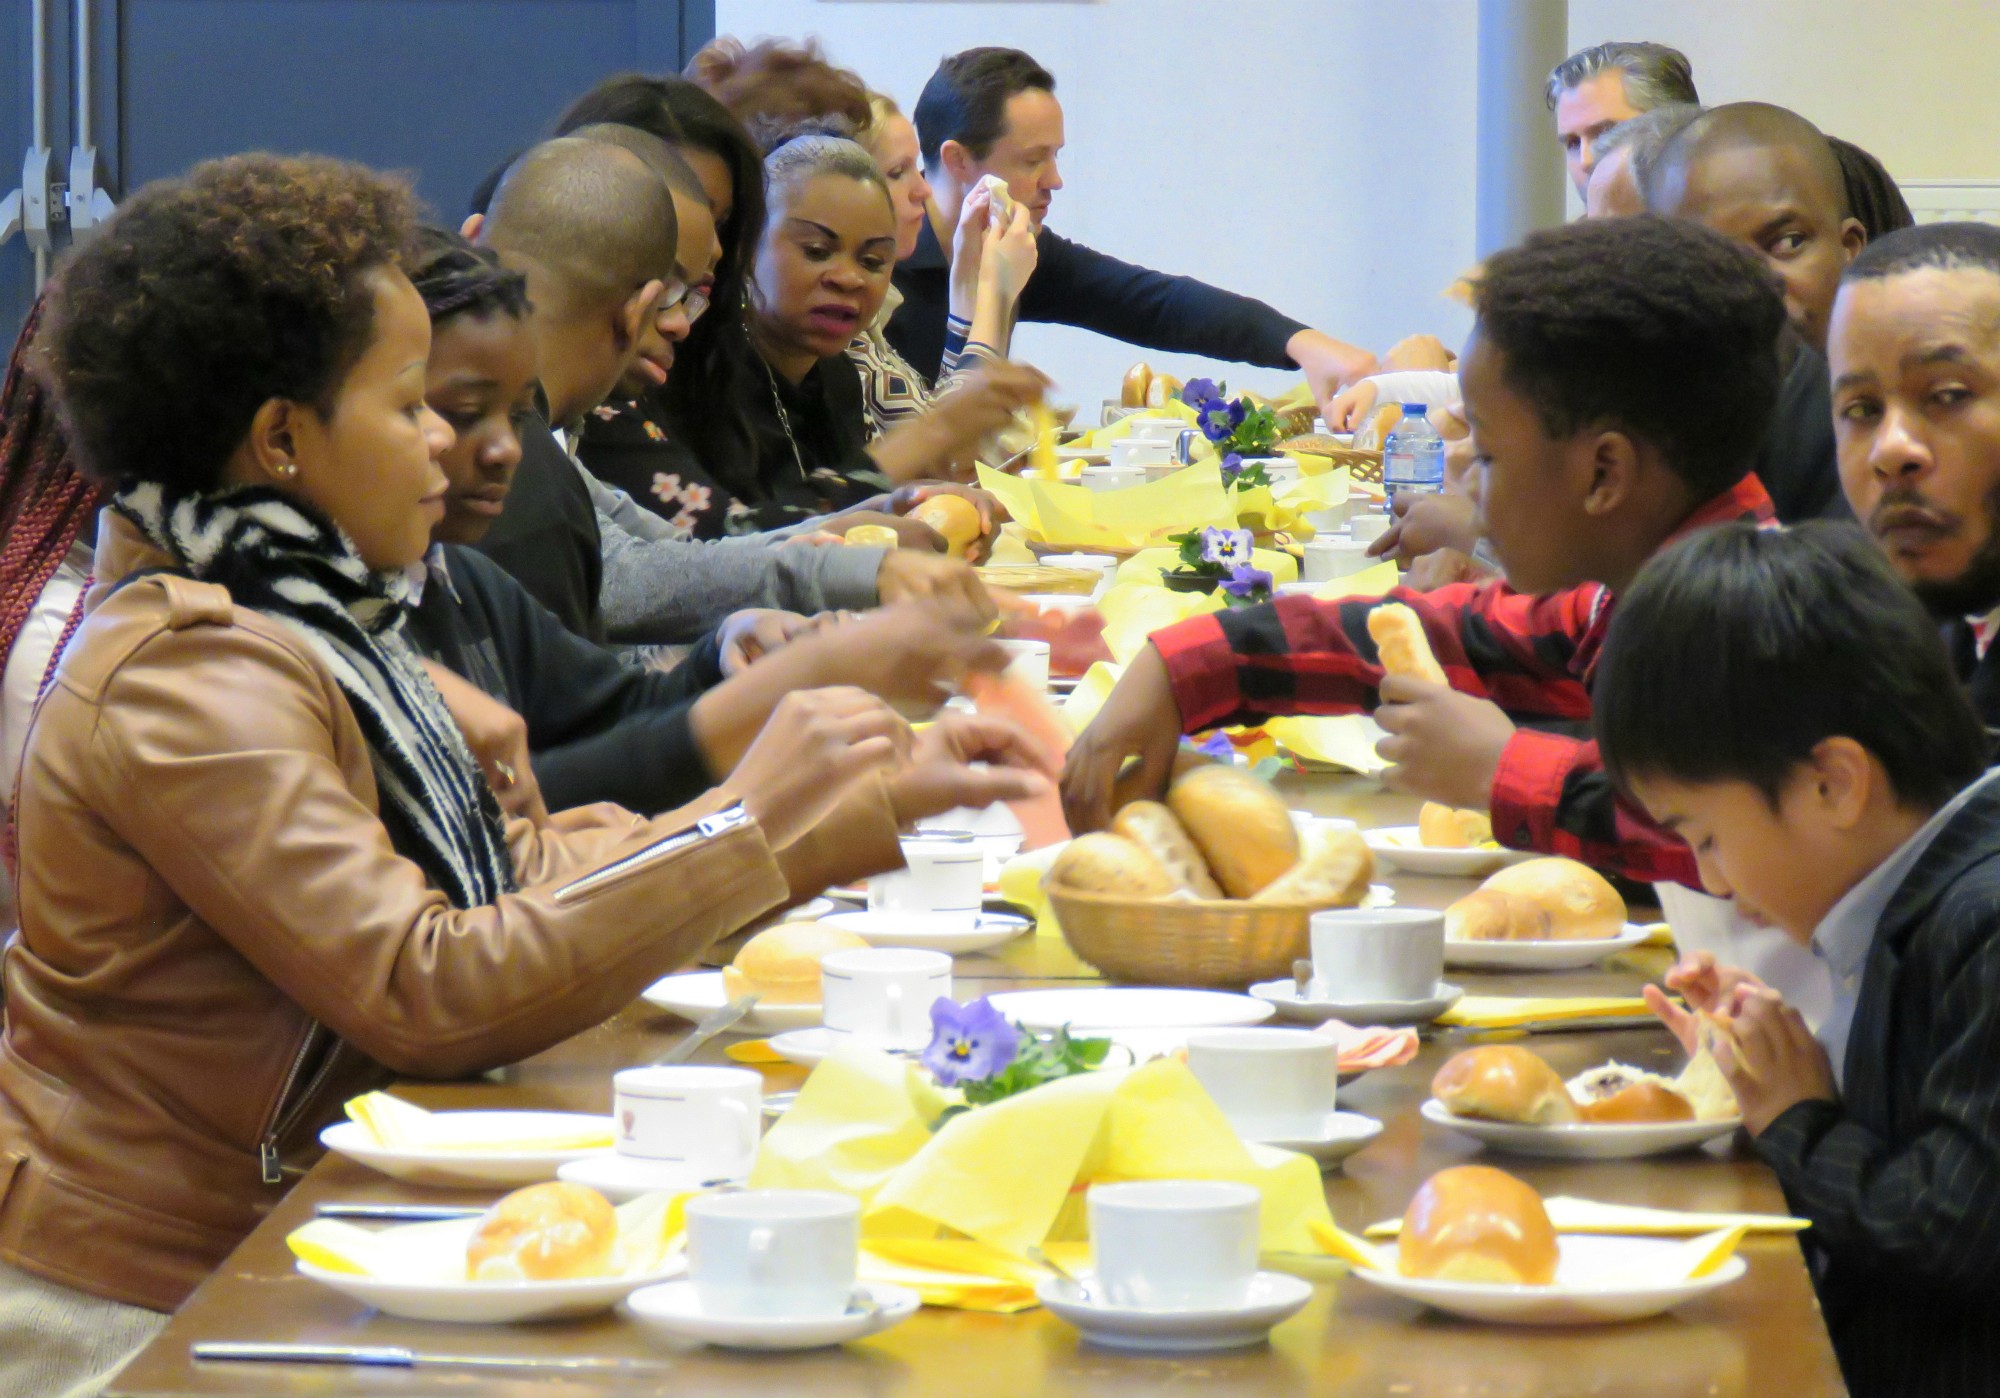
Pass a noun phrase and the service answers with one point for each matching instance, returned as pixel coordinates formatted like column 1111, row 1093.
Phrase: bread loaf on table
column 1241, row 826
column 1334, row 872
column 780, row 965
column 1401, row 645
column 1132, row 393
column 1538, row 901
column 1474, row 1223
column 1110, row 864
column 1503, row 1082
column 546, row 1232
column 1621, row 1094
column 1446, row 827
column 1159, row 832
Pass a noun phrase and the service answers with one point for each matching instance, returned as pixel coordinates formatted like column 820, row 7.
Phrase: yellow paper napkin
column 1568, row 1214
column 1509, row 1012
column 399, row 1125
column 1132, row 612
column 1375, row 581
column 1355, row 1252
column 858, row 1118
column 756, row 1053
column 1021, row 884
column 1342, row 740
column 1146, row 565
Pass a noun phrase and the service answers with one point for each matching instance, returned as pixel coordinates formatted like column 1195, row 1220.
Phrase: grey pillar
column 1521, row 174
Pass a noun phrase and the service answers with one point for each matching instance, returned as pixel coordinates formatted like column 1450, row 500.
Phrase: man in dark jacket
column 1915, row 355
column 993, row 111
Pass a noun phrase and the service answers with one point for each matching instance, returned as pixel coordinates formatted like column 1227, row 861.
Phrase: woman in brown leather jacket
column 259, row 870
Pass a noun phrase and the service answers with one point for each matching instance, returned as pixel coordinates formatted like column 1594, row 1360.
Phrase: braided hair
column 455, row 278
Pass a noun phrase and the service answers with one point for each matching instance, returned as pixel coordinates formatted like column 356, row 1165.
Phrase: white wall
column 1246, row 143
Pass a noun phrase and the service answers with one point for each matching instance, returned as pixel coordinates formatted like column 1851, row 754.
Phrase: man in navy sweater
column 994, row 111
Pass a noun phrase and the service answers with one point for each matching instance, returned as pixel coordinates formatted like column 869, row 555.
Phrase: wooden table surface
column 1761, row 1336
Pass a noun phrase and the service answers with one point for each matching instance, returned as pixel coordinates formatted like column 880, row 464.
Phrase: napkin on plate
column 1368, row 1048
column 1013, row 1175
column 1529, row 1012
column 399, row 1125
column 1571, row 1215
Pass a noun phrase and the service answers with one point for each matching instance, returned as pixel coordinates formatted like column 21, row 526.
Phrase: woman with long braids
column 259, row 869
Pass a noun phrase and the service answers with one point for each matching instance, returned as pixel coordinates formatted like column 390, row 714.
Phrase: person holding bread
column 1830, row 775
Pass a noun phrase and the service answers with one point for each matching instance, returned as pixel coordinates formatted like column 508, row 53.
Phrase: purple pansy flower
column 1195, row 392
column 1246, row 581
column 1229, row 548
column 1232, row 467
column 968, row 1042
column 1218, row 746
column 1219, row 419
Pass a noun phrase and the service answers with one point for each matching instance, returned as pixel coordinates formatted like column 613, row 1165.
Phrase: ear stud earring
column 285, row 470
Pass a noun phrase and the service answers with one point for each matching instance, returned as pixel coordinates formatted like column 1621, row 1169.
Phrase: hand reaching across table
column 1445, row 746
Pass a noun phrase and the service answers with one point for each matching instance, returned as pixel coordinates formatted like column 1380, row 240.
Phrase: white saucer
column 900, row 930
column 810, row 912
column 1274, row 1297
column 622, row 1177
column 675, row 1309
column 695, row 994
column 1582, row 1140
column 1090, row 1011
column 1343, row 1134
column 1399, row 845
column 490, row 1303
column 462, row 1167
column 807, row 1047
column 1284, row 997
column 1462, row 955
column 1593, row 1285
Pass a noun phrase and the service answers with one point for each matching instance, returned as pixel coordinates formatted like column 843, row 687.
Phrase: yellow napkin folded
column 1343, row 740
column 651, row 1229
column 1132, row 612
column 1568, row 1214
column 1510, row 1012
column 1021, row 884
column 1073, row 516
column 756, row 1053
column 1374, row 581
column 399, row 1125
column 955, row 1272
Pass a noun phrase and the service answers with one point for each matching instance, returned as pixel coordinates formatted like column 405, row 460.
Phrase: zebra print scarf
column 287, row 561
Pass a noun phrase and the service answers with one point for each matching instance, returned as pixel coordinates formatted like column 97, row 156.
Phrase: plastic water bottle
column 1413, row 456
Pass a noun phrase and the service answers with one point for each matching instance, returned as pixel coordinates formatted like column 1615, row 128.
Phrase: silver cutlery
column 398, row 1213
column 711, row 1024
column 1302, row 977
column 395, row 1357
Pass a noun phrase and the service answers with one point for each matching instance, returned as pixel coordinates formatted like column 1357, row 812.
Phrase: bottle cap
column 1415, row 410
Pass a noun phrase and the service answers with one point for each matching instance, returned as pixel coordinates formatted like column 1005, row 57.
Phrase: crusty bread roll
column 1138, row 378
column 1129, row 788
column 1162, row 390
column 1538, row 901
column 546, row 1232
column 1401, row 644
column 1620, row 1093
column 1241, row 826
column 1332, row 873
column 1107, row 863
column 1503, row 1082
column 1159, row 832
column 1446, row 827
column 1474, row 1223
column 1701, row 1082
column 781, row 964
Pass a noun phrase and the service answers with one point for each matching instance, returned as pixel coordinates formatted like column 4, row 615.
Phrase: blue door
column 441, row 89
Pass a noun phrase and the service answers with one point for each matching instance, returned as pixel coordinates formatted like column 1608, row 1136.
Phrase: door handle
column 89, row 204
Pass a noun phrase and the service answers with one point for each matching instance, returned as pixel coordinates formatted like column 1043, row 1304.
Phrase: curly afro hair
column 205, row 296
column 1655, row 326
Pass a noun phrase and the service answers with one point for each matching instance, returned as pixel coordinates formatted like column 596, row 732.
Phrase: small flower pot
column 1187, row 580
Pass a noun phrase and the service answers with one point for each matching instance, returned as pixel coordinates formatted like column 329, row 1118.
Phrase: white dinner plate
column 1128, row 1007
column 695, row 994
column 900, row 930
column 1283, row 996
column 470, row 1165
column 807, row 1047
column 1539, row 956
column 1599, row 1280
column 1274, row 1297
column 1400, row 846
column 1582, row 1140
column 675, row 1309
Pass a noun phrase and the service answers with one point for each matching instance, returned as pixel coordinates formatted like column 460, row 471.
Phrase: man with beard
column 1914, row 348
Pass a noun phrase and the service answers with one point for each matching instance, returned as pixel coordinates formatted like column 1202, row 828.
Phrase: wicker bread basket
column 1183, row 942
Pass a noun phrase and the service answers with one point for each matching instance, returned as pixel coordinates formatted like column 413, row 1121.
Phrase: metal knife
column 710, row 1026
column 393, row 1357
column 398, row 1213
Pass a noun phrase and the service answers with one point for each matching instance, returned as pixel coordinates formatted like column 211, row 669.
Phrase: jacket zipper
column 707, row 828
column 287, row 1108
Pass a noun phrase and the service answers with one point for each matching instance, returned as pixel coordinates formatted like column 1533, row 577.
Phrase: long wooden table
column 1761, row 1336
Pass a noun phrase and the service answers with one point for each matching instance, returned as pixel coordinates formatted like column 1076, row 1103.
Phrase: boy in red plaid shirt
column 1618, row 381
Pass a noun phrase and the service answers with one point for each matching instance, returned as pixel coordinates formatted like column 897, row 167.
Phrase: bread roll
column 1155, row 829
column 1138, row 378
column 546, row 1232
column 1333, row 873
column 1538, row 901
column 1241, row 826
column 1701, row 1082
column 1474, row 1223
column 1401, row 645
column 1503, row 1082
column 1128, row 788
column 781, row 964
column 1446, row 827
column 1107, row 863
column 1162, row 390
column 1645, row 1101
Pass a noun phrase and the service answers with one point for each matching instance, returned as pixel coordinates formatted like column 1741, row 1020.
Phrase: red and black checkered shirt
column 1533, row 656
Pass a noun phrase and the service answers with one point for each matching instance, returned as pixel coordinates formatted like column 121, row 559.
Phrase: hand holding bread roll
column 1159, row 832
column 1241, row 826
column 1401, row 644
column 1474, row 1223
column 1539, row 900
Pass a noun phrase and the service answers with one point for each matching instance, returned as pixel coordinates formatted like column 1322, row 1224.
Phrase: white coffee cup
column 942, row 881
column 708, row 1120
column 1140, row 451
column 1272, row 1084
column 1366, row 526
column 1377, row 954
column 1028, row 662
column 1105, row 568
column 1329, row 556
column 787, row 1253
column 1332, row 517
column 1111, row 477
column 882, row 996
column 1169, row 1245
column 1158, row 429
